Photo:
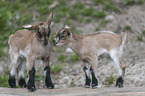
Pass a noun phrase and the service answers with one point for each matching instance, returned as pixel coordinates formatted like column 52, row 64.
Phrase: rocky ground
column 72, row 74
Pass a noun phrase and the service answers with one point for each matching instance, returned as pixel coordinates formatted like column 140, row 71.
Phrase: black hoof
column 32, row 89
column 22, row 83
column 50, row 86
column 86, row 86
column 94, row 86
column 12, row 82
column 119, row 82
column 119, row 85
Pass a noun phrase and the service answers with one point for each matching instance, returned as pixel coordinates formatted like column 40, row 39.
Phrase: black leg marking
column 22, row 83
column 94, row 79
column 12, row 81
column 48, row 80
column 88, row 80
column 31, row 83
column 119, row 82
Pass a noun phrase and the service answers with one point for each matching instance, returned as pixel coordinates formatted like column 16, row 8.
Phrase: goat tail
column 10, row 38
column 123, row 37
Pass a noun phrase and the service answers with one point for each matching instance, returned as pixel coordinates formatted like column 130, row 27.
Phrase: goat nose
column 54, row 43
column 45, row 43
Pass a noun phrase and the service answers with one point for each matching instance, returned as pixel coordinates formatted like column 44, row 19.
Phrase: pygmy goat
column 25, row 47
column 89, row 47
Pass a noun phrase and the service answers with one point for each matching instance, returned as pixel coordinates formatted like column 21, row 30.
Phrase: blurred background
column 83, row 17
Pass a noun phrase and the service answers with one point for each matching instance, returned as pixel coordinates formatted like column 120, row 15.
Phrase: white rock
column 109, row 18
column 69, row 50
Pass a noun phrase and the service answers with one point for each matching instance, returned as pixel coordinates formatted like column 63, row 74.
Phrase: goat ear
column 49, row 20
column 32, row 27
column 66, row 26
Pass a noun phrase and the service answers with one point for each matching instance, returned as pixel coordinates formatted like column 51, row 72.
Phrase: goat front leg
column 87, row 73
column 48, row 80
column 31, row 73
column 93, row 70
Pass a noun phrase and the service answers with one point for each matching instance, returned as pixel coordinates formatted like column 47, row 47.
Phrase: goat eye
column 61, row 37
column 39, row 34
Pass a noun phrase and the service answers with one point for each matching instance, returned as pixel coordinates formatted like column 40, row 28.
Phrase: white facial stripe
column 66, row 26
column 58, row 31
column 59, row 44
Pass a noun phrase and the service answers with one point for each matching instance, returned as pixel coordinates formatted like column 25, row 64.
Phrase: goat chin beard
column 59, row 44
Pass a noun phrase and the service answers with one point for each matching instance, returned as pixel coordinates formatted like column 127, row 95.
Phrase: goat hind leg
column 116, row 58
column 21, row 69
column 13, row 68
column 93, row 70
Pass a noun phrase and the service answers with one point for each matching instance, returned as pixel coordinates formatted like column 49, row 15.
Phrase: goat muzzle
column 54, row 42
column 45, row 43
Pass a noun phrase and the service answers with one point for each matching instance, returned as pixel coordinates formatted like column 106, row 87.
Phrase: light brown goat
column 89, row 47
column 25, row 47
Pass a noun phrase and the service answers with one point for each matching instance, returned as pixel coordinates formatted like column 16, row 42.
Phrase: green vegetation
column 132, row 2
column 99, row 14
column 140, row 38
column 127, row 27
column 73, row 57
column 108, row 5
column 99, row 1
column 55, row 68
column 61, row 58
column 72, row 83
column 52, row 36
column 97, row 29
column 1, row 51
column 112, row 7
column 102, row 22
column 143, row 32
column 38, row 77
column 4, row 81
column 110, row 80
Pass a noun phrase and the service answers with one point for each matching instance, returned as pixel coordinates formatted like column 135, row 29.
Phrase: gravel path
column 110, row 91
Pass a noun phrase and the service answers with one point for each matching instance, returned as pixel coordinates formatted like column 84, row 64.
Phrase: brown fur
column 26, row 43
column 89, row 47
